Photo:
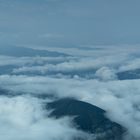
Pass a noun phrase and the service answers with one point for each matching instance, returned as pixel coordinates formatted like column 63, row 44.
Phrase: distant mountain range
column 10, row 50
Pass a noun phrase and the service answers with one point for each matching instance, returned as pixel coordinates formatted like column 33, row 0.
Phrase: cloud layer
column 92, row 79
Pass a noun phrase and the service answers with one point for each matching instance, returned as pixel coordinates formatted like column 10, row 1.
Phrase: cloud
column 105, row 74
column 120, row 99
column 113, row 96
column 23, row 117
column 131, row 65
column 30, row 61
column 83, row 67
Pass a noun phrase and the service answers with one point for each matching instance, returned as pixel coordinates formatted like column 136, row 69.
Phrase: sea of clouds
column 89, row 73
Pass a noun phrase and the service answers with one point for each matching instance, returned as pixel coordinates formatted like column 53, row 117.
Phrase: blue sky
column 69, row 22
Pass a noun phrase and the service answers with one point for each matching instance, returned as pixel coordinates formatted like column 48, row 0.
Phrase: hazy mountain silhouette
column 23, row 51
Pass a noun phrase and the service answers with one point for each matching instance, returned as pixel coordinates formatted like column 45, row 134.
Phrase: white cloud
column 130, row 65
column 105, row 74
column 121, row 99
column 23, row 117
column 29, row 61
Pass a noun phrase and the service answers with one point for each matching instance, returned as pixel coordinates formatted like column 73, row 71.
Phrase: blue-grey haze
column 69, row 22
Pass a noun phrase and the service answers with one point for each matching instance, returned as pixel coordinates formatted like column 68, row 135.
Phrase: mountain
column 87, row 118
column 10, row 50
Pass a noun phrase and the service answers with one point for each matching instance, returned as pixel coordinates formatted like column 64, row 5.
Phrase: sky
column 73, row 22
